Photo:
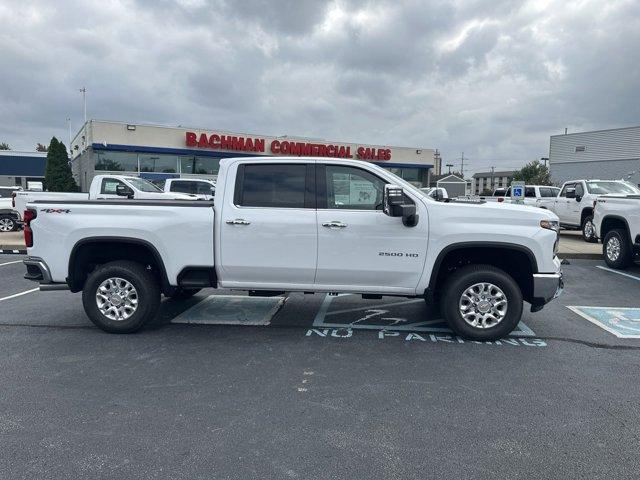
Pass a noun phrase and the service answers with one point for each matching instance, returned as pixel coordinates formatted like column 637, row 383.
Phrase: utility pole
column 83, row 91
column 462, row 165
column 545, row 160
column 69, row 125
column 449, row 165
column 492, row 182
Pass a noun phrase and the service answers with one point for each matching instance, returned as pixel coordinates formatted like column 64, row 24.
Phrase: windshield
column 143, row 185
column 603, row 188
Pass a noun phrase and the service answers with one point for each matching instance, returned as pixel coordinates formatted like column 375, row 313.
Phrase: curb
column 13, row 249
column 580, row 256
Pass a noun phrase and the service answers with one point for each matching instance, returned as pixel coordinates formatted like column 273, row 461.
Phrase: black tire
column 145, row 284
column 624, row 258
column 7, row 224
column 465, row 277
column 183, row 293
column 589, row 230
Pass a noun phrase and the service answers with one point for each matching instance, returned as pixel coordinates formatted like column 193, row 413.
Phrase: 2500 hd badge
column 398, row 254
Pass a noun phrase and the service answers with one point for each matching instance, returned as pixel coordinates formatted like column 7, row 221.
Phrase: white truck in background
column 202, row 188
column 576, row 199
column 534, row 195
column 103, row 187
column 616, row 219
column 305, row 225
column 9, row 220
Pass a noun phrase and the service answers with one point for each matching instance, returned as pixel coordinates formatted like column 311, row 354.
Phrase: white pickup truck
column 103, row 187
column 299, row 224
column 617, row 223
column 575, row 201
column 202, row 188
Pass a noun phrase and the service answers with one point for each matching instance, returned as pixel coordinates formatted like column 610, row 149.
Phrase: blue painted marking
column 622, row 322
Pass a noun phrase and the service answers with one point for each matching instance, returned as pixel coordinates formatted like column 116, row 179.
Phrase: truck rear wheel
column 7, row 224
column 617, row 250
column 481, row 302
column 121, row 296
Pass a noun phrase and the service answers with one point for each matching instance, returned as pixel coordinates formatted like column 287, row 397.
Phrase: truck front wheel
column 481, row 302
column 121, row 296
column 617, row 249
column 589, row 230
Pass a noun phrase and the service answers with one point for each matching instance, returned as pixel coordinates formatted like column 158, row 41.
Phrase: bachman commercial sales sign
column 284, row 147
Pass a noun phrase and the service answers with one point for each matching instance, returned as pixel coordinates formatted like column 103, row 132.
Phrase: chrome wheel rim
column 6, row 224
column 589, row 230
column 483, row 305
column 613, row 249
column 117, row 299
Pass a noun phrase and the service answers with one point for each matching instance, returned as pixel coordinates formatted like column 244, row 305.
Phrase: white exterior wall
column 116, row 133
column 608, row 154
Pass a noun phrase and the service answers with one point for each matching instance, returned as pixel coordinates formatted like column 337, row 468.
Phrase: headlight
column 550, row 225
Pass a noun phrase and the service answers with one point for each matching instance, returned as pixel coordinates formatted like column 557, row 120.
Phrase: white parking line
column 9, row 263
column 18, row 294
column 618, row 272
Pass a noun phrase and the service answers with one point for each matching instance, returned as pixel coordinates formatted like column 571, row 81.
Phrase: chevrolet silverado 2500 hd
column 299, row 224
column 575, row 201
column 617, row 223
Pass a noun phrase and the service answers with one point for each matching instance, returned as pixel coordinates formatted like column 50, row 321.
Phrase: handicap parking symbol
column 621, row 321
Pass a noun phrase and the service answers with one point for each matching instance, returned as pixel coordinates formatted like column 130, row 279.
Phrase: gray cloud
column 491, row 78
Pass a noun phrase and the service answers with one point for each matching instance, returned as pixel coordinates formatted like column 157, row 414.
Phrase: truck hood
column 498, row 213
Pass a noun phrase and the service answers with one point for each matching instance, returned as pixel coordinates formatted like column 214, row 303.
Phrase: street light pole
column 83, row 91
column 449, row 165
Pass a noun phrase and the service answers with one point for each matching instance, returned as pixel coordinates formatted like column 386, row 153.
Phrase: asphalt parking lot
column 320, row 386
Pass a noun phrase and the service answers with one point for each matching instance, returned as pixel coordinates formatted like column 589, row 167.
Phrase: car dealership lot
column 317, row 387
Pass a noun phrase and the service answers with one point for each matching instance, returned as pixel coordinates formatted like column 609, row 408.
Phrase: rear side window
column 182, row 187
column 271, row 185
column 204, row 188
column 530, row 192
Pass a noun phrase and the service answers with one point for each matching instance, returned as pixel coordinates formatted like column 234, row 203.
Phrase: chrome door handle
column 238, row 221
column 334, row 224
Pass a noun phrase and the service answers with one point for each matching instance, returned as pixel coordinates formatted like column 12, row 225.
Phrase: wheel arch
column 586, row 211
column 517, row 260
column 611, row 222
column 99, row 250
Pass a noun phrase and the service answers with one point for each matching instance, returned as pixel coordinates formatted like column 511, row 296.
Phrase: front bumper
column 546, row 287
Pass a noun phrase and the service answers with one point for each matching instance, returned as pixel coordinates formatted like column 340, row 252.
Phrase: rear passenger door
column 268, row 232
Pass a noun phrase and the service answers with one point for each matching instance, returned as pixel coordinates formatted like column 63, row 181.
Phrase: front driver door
column 359, row 247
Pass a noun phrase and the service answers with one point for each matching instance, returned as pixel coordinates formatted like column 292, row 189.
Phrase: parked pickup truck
column 103, row 187
column 9, row 220
column 299, row 224
column 574, row 204
column 617, row 223
column 200, row 187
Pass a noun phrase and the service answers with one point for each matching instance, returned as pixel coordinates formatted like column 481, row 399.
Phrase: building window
column 153, row 162
column 199, row 165
column 579, row 148
column 116, row 161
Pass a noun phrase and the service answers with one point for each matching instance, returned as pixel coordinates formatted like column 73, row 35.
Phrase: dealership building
column 603, row 154
column 157, row 152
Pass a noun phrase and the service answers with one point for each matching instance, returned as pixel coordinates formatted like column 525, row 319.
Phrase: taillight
column 13, row 199
column 500, row 199
column 28, row 233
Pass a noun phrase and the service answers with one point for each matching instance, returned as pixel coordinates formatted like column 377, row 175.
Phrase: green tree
column 533, row 173
column 4, row 146
column 57, row 174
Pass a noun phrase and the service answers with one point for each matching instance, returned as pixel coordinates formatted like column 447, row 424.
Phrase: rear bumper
column 38, row 271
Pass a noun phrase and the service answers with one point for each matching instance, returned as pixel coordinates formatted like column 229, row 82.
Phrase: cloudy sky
column 492, row 78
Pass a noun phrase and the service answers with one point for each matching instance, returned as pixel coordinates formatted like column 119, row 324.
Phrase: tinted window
column 275, row 186
column 548, row 192
column 353, row 189
column 182, row 187
column 204, row 188
column 563, row 193
column 530, row 192
column 109, row 186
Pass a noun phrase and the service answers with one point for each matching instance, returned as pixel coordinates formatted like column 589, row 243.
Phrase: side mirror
column 438, row 195
column 393, row 206
column 571, row 193
column 124, row 191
